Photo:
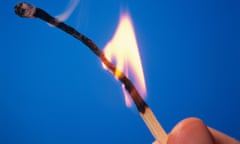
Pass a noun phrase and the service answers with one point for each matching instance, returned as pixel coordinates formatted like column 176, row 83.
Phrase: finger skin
column 194, row 131
column 221, row 138
column 190, row 131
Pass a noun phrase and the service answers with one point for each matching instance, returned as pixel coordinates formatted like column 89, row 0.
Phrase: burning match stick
column 28, row 11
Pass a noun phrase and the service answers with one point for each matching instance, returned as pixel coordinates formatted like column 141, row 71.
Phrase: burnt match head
column 25, row 10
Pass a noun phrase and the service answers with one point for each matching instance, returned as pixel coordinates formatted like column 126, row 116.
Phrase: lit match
column 28, row 11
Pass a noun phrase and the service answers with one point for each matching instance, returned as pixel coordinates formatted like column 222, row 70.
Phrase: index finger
column 221, row 138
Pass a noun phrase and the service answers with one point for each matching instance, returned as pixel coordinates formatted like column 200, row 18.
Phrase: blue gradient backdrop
column 54, row 90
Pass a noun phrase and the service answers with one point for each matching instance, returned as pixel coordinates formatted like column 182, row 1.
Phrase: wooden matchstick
column 29, row 11
column 154, row 126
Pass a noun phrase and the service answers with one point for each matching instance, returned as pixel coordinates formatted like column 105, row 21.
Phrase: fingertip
column 190, row 131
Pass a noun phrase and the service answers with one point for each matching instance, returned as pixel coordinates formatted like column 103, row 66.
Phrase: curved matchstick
column 28, row 11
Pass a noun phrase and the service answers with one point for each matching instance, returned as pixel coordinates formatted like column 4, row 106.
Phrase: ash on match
column 28, row 11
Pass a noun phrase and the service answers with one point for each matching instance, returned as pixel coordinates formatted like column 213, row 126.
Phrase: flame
column 123, row 51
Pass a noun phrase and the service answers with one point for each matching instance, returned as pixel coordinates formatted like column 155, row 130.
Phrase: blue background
column 54, row 90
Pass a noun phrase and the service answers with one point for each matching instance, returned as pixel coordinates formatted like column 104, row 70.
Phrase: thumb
column 190, row 131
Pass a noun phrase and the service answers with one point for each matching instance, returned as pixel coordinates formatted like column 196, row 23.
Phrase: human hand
column 194, row 131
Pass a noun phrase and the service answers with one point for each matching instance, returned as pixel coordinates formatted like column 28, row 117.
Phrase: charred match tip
column 25, row 10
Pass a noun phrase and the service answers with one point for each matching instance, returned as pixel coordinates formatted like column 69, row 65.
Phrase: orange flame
column 122, row 49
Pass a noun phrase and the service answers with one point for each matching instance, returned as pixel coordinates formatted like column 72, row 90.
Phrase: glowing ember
column 123, row 51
